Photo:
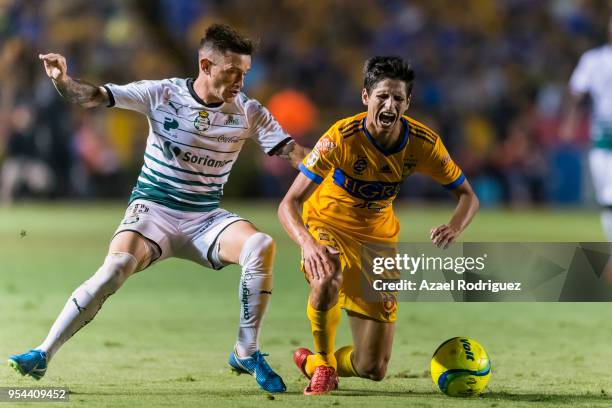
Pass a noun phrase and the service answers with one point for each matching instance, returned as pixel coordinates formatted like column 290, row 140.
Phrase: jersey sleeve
column 266, row 131
column 323, row 158
column 141, row 96
column 438, row 164
column 580, row 79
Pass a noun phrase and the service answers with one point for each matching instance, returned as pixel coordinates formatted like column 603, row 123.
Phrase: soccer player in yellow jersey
column 345, row 190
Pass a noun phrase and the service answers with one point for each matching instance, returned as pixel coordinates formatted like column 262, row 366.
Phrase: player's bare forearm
column 467, row 205
column 81, row 92
column 319, row 260
column 293, row 153
column 289, row 210
column 75, row 90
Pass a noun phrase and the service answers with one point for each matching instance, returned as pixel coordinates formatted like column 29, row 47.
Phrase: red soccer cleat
column 299, row 358
column 324, row 380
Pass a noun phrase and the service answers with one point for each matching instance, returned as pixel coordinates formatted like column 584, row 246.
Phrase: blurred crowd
column 490, row 78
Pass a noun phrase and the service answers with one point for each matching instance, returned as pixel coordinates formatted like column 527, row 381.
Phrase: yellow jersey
column 359, row 179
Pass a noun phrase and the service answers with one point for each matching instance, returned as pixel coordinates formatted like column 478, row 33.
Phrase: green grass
column 163, row 339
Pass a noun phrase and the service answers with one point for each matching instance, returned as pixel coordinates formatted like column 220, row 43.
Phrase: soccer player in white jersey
column 196, row 130
column 593, row 76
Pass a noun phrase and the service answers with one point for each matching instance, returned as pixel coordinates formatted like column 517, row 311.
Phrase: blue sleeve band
column 313, row 176
column 455, row 183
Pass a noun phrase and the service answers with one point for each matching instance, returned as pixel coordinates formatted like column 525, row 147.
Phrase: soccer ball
column 460, row 367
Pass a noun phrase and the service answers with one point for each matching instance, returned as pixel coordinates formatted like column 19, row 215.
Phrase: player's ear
column 205, row 65
column 364, row 96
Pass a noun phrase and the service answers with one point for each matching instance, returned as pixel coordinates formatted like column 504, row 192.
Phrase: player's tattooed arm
column 74, row 90
column 82, row 92
column 293, row 153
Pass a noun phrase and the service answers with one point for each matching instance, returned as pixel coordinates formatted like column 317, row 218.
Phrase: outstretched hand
column 55, row 65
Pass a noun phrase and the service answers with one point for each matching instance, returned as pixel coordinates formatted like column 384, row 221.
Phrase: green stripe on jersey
column 164, row 197
column 204, row 197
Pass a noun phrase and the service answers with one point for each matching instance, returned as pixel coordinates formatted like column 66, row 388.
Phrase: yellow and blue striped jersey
column 359, row 179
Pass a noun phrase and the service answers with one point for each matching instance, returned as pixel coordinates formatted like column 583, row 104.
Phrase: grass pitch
column 164, row 338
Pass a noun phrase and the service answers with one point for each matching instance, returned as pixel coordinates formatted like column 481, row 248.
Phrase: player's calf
column 256, row 259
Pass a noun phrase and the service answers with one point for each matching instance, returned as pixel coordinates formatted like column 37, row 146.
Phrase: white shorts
column 600, row 161
column 180, row 234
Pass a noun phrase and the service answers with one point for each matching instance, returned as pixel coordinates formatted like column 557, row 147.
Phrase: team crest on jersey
column 313, row 157
column 202, row 121
column 360, row 165
column 325, row 145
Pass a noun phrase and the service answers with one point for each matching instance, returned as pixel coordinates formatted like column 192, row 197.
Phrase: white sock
column 254, row 291
column 87, row 300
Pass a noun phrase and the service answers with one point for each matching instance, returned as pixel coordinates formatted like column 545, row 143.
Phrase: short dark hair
column 222, row 37
column 387, row 67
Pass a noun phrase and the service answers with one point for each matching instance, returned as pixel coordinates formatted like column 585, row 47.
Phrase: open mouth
column 387, row 118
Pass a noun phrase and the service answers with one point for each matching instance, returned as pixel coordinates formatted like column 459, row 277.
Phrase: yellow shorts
column 351, row 293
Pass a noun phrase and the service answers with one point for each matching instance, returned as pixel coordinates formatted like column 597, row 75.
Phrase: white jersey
column 191, row 146
column 593, row 75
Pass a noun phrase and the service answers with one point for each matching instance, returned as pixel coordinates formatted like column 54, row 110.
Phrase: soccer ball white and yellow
column 460, row 367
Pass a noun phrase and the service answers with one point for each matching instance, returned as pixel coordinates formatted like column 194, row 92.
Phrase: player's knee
column 258, row 252
column 333, row 281
column 117, row 267
column 371, row 367
column 373, row 370
column 328, row 283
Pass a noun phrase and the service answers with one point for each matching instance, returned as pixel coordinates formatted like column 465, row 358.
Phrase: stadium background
column 491, row 76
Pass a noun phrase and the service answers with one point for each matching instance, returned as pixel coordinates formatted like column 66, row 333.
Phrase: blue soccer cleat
column 257, row 366
column 32, row 363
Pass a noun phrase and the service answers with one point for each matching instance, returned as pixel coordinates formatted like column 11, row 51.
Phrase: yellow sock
column 345, row 364
column 324, row 324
